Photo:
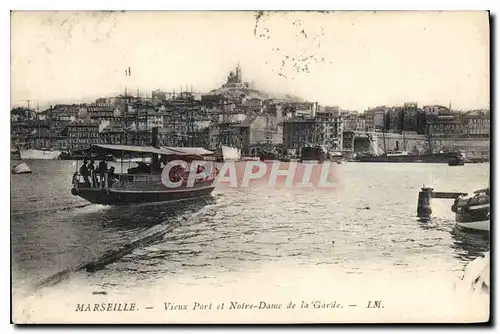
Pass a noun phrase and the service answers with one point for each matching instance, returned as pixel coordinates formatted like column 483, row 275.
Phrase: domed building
column 235, row 79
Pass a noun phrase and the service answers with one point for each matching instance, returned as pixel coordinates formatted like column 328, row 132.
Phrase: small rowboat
column 21, row 168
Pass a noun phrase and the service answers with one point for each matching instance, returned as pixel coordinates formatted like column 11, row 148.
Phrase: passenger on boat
column 112, row 176
column 102, row 169
column 92, row 171
column 142, row 168
column 84, row 172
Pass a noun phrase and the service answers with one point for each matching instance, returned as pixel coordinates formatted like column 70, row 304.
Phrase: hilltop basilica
column 235, row 79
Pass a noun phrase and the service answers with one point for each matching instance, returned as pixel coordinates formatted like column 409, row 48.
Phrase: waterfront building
column 325, row 129
column 254, row 131
column 298, row 132
column 253, row 105
column 477, row 123
column 460, row 124
column 329, row 130
column 235, row 117
column 159, row 95
column 82, row 134
column 374, row 118
column 21, row 114
column 31, row 134
column 273, row 109
column 435, row 110
column 198, row 138
column 354, row 122
column 113, row 134
column 103, row 112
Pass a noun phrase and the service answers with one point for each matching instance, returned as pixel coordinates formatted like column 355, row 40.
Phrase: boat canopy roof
column 113, row 149
column 172, row 151
column 189, row 150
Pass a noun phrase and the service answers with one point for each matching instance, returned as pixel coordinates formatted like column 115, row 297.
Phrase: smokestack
column 155, row 143
column 154, row 137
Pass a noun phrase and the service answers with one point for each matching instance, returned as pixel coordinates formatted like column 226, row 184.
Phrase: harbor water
column 366, row 224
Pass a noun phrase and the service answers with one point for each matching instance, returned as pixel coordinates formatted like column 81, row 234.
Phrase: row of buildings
column 234, row 115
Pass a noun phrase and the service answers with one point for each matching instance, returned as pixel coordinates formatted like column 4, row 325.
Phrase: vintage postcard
column 250, row 167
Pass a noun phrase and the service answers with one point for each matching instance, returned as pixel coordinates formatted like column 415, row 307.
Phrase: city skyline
column 341, row 58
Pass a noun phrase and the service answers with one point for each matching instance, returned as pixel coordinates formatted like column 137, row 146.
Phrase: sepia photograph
column 250, row 167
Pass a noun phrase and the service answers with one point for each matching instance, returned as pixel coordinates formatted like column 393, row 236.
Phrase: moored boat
column 313, row 153
column 21, row 168
column 145, row 183
column 473, row 212
column 441, row 157
column 250, row 159
column 32, row 154
column 14, row 154
column 456, row 162
column 269, row 155
column 336, row 156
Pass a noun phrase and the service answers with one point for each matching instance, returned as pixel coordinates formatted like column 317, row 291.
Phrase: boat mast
column 125, row 118
column 403, row 128
column 383, row 134
column 38, row 121
column 429, row 137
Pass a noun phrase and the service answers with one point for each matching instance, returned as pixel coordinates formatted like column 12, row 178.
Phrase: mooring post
column 424, row 202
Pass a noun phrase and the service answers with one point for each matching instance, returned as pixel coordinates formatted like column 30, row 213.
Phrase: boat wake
column 145, row 238
column 52, row 209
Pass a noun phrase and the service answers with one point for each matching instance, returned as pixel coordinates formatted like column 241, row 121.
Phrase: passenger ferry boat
column 144, row 184
column 473, row 212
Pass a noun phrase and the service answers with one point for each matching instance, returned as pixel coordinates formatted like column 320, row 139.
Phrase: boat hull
column 15, row 155
column 39, row 155
column 474, row 218
column 443, row 158
column 122, row 197
column 481, row 225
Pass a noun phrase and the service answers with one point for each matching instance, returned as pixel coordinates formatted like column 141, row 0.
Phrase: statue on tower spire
column 239, row 78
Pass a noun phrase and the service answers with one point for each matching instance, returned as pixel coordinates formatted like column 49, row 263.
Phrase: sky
column 355, row 60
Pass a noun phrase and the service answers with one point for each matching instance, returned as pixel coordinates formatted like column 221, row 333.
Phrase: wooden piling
column 424, row 203
column 425, row 195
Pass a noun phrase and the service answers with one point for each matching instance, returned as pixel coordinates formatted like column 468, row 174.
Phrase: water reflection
column 433, row 223
column 469, row 245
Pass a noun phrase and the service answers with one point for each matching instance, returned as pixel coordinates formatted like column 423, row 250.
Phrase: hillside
column 239, row 92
